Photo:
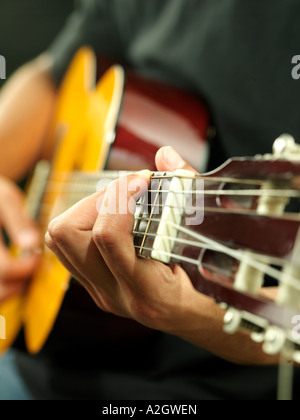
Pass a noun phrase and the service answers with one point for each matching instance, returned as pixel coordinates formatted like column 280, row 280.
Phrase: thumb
column 167, row 159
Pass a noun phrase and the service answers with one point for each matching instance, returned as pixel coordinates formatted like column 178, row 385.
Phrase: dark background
column 27, row 27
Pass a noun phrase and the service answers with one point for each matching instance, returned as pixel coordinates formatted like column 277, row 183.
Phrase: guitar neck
column 229, row 233
column 48, row 188
column 214, row 225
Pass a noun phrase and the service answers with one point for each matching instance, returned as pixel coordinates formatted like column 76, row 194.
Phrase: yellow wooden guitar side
column 83, row 129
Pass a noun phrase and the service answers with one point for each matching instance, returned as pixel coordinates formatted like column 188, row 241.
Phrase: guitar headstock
column 235, row 231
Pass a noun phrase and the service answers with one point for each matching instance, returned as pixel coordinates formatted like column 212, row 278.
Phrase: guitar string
column 261, row 257
column 241, row 256
column 67, row 178
column 233, row 253
column 291, row 281
column 281, row 193
column 46, row 206
column 238, row 255
column 91, row 180
column 71, row 195
column 226, row 250
column 80, row 177
column 176, row 256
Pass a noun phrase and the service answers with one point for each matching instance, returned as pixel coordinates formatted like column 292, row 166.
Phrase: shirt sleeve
column 91, row 24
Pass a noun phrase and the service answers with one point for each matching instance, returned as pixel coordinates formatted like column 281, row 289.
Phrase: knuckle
column 104, row 236
column 50, row 243
column 56, row 230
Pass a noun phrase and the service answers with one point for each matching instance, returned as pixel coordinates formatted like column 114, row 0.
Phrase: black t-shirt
column 237, row 56
column 27, row 27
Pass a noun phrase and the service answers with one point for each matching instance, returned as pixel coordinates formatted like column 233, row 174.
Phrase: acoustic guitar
column 234, row 230
column 115, row 124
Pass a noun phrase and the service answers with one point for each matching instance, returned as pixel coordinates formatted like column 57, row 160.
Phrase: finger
column 53, row 246
column 8, row 290
column 112, row 232
column 17, row 269
column 91, row 273
column 167, row 159
column 19, row 226
column 69, row 236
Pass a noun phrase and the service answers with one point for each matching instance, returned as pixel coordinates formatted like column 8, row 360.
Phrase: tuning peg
column 235, row 320
column 288, row 294
column 285, row 146
column 232, row 321
column 296, row 356
column 275, row 339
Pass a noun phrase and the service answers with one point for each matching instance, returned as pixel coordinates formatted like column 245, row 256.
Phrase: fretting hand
column 96, row 246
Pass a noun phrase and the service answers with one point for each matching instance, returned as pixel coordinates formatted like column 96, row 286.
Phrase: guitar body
column 84, row 112
column 137, row 116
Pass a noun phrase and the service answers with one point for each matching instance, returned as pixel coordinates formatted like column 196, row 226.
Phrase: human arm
column 27, row 102
column 98, row 250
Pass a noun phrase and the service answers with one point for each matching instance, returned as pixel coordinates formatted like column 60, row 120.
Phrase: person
column 222, row 50
column 43, row 18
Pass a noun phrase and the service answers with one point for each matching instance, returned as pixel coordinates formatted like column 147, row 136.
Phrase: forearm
column 204, row 328
column 26, row 106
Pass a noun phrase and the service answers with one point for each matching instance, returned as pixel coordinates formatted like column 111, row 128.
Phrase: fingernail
column 172, row 158
column 28, row 239
column 146, row 174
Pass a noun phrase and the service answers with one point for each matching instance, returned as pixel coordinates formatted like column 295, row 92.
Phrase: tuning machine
column 235, row 320
column 286, row 147
column 274, row 340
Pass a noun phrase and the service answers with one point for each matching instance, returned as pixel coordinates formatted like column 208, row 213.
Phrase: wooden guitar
column 232, row 230
column 116, row 124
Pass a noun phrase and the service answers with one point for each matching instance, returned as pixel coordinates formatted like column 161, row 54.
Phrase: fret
column 148, row 212
column 138, row 217
column 172, row 214
column 153, row 204
column 157, row 220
